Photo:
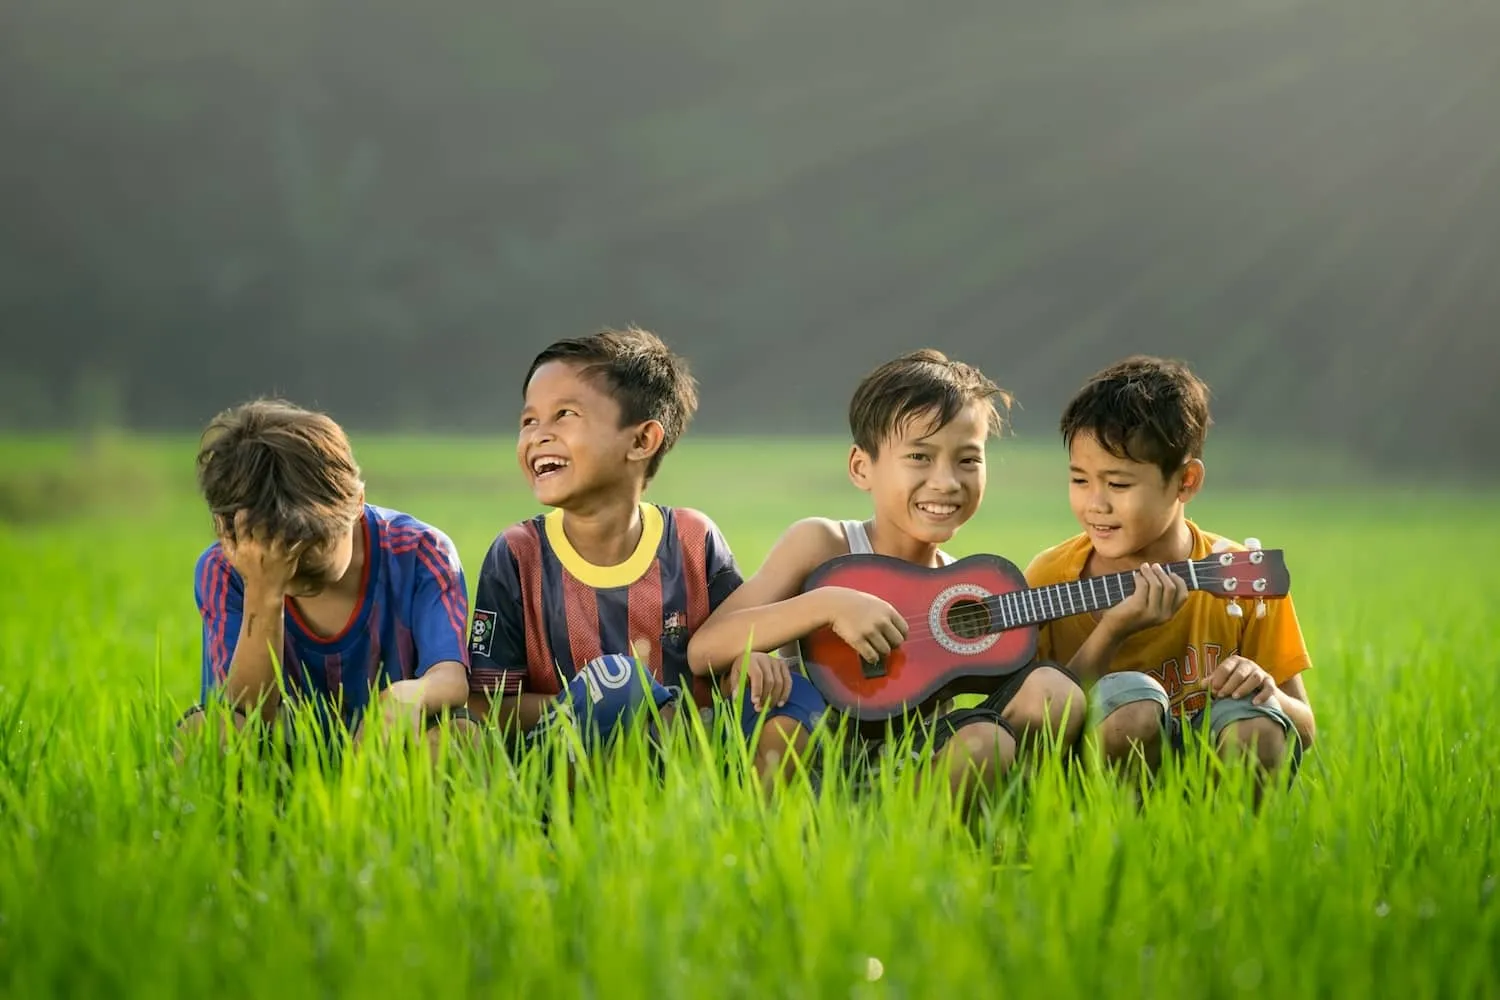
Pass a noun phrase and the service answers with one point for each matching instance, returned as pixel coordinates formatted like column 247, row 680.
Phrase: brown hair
column 918, row 383
column 639, row 372
column 1143, row 409
column 291, row 470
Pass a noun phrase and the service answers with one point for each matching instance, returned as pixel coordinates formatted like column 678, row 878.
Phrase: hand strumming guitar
column 870, row 625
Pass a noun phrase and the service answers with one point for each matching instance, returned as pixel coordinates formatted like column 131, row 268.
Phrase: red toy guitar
column 977, row 618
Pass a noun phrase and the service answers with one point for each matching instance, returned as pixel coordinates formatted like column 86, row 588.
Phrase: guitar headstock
column 1255, row 572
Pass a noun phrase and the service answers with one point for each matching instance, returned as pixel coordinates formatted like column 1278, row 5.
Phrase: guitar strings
column 988, row 616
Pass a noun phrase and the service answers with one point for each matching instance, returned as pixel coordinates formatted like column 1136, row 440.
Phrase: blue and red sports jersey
column 411, row 614
column 541, row 610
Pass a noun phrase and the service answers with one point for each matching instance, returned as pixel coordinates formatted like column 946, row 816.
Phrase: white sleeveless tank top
column 859, row 541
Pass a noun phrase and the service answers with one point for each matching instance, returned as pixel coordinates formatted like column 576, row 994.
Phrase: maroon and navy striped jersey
column 541, row 610
column 411, row 614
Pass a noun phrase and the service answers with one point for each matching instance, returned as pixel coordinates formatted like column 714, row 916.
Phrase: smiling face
column 1130, row 510
column 571, row 444
column 925, row 482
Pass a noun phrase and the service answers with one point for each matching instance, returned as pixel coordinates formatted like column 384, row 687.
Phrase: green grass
column 121, row 874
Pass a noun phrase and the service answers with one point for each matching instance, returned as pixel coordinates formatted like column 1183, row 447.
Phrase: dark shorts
column 865, row 756
column 804, row 705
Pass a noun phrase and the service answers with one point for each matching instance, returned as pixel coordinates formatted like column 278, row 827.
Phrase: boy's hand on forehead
column 260, row 559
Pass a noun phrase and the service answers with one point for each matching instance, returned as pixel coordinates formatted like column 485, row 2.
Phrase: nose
column 1099, row 500
column 943, row 477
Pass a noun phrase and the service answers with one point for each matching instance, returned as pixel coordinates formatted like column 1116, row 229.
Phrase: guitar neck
column 1036, row 605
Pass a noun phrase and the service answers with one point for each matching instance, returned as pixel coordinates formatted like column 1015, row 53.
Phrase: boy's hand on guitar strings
column 871, row 626
column 1158, row 595
column 769, row 677
column 1239, row 677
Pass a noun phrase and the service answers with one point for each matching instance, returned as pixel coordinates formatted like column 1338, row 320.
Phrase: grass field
column 121, row 874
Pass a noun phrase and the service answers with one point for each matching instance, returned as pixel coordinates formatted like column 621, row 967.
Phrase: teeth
column 548, row 463
column 940, row 509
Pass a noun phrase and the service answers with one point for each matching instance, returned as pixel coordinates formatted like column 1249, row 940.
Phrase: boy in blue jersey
column 569, row 601
column 345, row 597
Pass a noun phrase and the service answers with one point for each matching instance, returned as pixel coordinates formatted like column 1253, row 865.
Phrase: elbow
column 701, row 654
column 448, row 685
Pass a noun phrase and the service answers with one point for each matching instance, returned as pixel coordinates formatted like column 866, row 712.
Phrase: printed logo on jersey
column 674, row 627
column 1185, row 678
column 482, row 632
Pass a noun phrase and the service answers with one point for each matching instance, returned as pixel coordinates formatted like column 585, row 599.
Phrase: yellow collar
column 604, row 577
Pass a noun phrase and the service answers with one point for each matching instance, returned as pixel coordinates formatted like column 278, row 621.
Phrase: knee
column 1052, row 699
column 198, row 719
column 1136, row 724
column 462, row 731
column 781, row 738
column 783, row 733
column 1262, row 739
column 192, row 723
column 984, row 747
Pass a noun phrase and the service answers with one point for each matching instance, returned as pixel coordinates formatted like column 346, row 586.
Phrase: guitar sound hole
column 969, row 619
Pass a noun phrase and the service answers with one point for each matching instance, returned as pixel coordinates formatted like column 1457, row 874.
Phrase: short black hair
column 920, row 382
column 639, row 372
column 1144, row 409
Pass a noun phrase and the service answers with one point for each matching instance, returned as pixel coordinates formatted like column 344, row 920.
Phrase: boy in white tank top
column 920, row 424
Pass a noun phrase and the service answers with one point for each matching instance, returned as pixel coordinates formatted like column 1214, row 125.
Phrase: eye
column 566, row 412
column 1078, row 481
column 527, row 421
column 1119, row 486
column 973, row 462
column 917, row 456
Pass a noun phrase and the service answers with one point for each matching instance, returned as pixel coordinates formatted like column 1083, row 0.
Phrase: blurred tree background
column 384, row 209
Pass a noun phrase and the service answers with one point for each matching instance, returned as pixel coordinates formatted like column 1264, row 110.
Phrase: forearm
column 1301, row 714
column 522, row 711
column 251, row 678
column 444, row 685
column 719, row 644
column 1093, row 658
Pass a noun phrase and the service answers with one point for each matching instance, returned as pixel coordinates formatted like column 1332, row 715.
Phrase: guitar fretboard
column 1059, row 600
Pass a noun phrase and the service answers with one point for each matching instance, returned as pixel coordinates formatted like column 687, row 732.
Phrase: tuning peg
column 1252, row 543
column 1234, row 610
column 1260, row 607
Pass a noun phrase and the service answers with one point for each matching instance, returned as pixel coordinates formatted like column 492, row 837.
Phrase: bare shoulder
column 803, row 547
column 809, row 542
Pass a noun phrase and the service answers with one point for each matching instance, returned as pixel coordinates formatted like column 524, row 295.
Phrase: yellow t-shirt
column 1183, row 652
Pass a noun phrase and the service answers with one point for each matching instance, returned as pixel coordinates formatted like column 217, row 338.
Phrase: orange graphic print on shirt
column 1182, row 653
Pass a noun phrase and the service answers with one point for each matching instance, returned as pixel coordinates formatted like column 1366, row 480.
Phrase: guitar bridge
column 872, row 670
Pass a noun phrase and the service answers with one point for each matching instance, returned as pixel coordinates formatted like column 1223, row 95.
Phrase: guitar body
column 951, row 643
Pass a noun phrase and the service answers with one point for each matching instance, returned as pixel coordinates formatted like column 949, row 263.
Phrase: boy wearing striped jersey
column 569, row 601
column 349, row 600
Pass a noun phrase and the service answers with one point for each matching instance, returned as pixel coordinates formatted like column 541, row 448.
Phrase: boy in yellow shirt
column 1164, row 661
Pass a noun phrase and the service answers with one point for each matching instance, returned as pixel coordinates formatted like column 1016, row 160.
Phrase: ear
column 1191, row 482
column 646, row 440
column 859, row 467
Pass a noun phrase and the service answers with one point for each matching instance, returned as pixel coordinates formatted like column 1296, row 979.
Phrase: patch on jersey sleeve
column 482, row 632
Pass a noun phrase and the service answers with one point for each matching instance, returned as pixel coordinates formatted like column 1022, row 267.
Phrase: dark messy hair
column 1143, row 409
column 290, row 470
column 639, row 372
column 917, row 384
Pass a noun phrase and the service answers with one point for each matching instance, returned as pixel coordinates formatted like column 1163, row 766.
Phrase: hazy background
column 385, row 209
